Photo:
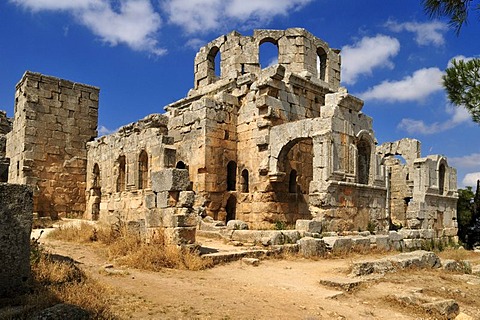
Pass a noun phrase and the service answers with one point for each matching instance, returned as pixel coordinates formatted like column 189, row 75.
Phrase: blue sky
column 140, row 53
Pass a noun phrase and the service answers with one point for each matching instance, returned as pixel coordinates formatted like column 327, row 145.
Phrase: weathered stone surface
column 345, row 284
column 311, row 247
column 170, row 180
column 419, row 259
column 16, row 204
column 457, row 266
column 62, row 311
column 339, row 244
column 237, row 225
column 308, row 226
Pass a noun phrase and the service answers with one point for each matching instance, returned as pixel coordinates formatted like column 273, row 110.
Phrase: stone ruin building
column 284, row 144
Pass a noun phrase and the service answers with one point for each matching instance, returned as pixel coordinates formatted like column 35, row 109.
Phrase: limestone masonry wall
column 54, row 119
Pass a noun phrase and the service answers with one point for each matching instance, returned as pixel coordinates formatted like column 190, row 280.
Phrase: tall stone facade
column 54, row 119
column 280, row 143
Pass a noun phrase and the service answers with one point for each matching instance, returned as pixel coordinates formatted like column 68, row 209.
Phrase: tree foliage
column 462, row 83
column 456, row 10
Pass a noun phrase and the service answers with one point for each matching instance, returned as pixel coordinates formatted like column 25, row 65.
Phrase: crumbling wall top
column 33, row 78
column 298, row 51
column 408, row 148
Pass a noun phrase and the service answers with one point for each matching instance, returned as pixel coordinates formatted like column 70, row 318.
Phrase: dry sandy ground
column 276, row 289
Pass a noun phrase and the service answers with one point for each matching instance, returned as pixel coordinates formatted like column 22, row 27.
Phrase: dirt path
column 276, row 289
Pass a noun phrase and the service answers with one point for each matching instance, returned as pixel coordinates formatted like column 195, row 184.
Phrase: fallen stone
column 311, row 247
column 457, row 266
column 420, row 259
column 448, row 308
column 237, row 225
column 62, row 311
column 338, row 244
column 346, row 284
column 251, row 261
column 308, row 226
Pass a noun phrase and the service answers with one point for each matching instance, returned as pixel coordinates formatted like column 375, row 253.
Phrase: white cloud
column 429, row 33
column 416, row 87
column 468, row 161
column 459, row 57
column 458, row 115
column 39, row 5
column 131, row 22
column 367, row 54
column 197, row 16
column 103, row 131
column 471, row 178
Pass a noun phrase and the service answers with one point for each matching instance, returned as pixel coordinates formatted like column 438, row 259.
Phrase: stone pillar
column 15, row 228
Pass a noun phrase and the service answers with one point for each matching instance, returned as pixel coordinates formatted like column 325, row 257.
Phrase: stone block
column 186, row 199
column 16, row 215
column 339, row 244
column 309, row 226
column 361, row 244
column 237, row 225
column 170, row 180
column 395, row 236
column 311, row 247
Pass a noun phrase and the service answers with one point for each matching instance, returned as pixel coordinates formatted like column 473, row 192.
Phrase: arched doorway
column 231, row 208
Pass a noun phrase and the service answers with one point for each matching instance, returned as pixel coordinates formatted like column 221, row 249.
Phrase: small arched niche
column 441, row 178
column 245, row 181
column 363, row 161
column 231, row 175
column 292, row 181
column 142, row 170
column 121, row 174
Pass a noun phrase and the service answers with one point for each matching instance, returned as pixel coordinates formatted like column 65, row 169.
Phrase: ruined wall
column 15, row 228
column 131, row 180
column 5, row 127
column 298, row 50
column 422, row 191
column 54, row 119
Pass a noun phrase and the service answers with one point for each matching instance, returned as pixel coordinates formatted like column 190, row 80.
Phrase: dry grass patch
column 57, row 280
column 130, row 249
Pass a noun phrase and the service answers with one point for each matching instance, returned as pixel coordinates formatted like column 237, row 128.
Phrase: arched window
column 181, row 165
column 121, row 174
column 244, row 181
column 363, row 161
column 268, row 53
column 214, row 70
column 292, row 181
column 142, row 170
column 231, row 175
column 441, row 179
column 231, row 208
column 321, row 64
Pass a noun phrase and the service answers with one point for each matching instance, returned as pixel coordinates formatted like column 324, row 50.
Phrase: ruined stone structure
column 422, row 191
column 132, row 179
column 5, row 127
column 54, row 119
column 262, row 145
